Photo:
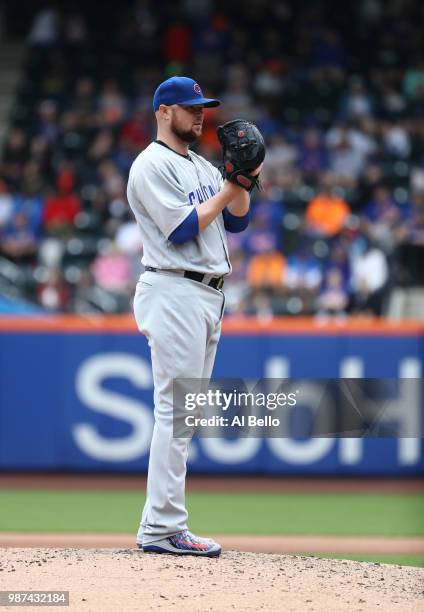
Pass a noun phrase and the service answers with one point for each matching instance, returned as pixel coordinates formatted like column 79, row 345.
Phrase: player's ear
column 164, row 112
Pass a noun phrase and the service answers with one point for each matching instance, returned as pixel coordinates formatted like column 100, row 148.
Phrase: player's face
column 187, row 122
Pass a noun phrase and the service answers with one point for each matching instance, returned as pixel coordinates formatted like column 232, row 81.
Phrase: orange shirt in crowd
column 266, row 270
column 327, row 214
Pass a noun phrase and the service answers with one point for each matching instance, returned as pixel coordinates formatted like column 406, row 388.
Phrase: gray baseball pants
column 182, row 321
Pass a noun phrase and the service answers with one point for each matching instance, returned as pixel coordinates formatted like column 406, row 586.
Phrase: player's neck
column 173, row 142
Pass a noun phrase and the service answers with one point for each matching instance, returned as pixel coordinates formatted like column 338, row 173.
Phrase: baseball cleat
column 184, row 543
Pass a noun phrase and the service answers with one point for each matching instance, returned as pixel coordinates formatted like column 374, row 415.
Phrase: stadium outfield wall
column 76, row 393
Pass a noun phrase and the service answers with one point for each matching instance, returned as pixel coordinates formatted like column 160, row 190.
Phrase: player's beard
column 187, row 136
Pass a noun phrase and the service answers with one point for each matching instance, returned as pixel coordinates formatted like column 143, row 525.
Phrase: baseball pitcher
column 184, row 206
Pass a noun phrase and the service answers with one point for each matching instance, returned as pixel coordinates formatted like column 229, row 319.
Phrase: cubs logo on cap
column 241, row 133
column 179, row 90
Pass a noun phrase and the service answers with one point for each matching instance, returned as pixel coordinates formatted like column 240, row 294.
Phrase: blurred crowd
column 338, row 92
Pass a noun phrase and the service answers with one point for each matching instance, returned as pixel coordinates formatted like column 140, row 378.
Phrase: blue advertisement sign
column 84, row 401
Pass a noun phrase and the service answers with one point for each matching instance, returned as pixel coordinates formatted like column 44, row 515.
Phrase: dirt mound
column 127, row 580
column 288, row 544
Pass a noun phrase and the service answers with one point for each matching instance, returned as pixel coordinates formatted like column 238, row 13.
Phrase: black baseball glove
column 243, row 150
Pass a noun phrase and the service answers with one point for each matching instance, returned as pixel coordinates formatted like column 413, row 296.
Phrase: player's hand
column 257, row 170
column 230, row 185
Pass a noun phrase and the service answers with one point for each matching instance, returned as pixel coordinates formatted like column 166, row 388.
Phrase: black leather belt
column 216, row 282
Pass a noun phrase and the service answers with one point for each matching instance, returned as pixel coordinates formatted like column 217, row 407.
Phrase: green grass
column 414, row 560
column 238, row 513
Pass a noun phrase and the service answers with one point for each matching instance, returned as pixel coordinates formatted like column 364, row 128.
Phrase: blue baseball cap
column 181, row 90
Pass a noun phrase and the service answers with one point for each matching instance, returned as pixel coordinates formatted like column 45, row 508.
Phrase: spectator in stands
column 326, row 213
column 72, row 138
column 313, row 157
column 83, row 295
column 382, row 219
column 112, row 271
column 334, row 297
column 346, row 161
column 136, row 131
column 177, row 42
column 101, row 148
column 350, row 148
column 19, row 241
column 45, row 28
column 270, row 125
column 303, row 276
column 281, row 155
column 357, row 102
column 266, row 270
column 260, row 306
column 237, row 100
column 392, row 103
column 62, row 207
column 264, row 234
column 268, row 82
column 370, row 274
column 48, row 123
column 112, row 104
column 396, row 139
column 328, row 53
column 124, row 157
column 112, row 182
column 31, row 180
column 339, row 259
column 83, row 102
column 53, row 294
column 267, row 211
column 335, row 289
column 29, row 201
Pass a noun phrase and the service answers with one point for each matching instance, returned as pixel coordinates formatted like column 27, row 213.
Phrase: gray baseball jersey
column 180, row 317
column 163, row 187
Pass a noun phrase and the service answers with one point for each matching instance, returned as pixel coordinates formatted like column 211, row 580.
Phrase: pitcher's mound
column 126, row 580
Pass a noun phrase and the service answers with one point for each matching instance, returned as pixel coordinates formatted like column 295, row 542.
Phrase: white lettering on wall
column 89, row 379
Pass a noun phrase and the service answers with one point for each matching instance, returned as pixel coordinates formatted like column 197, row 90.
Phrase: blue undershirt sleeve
column 233, row 223
column 187, row 230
